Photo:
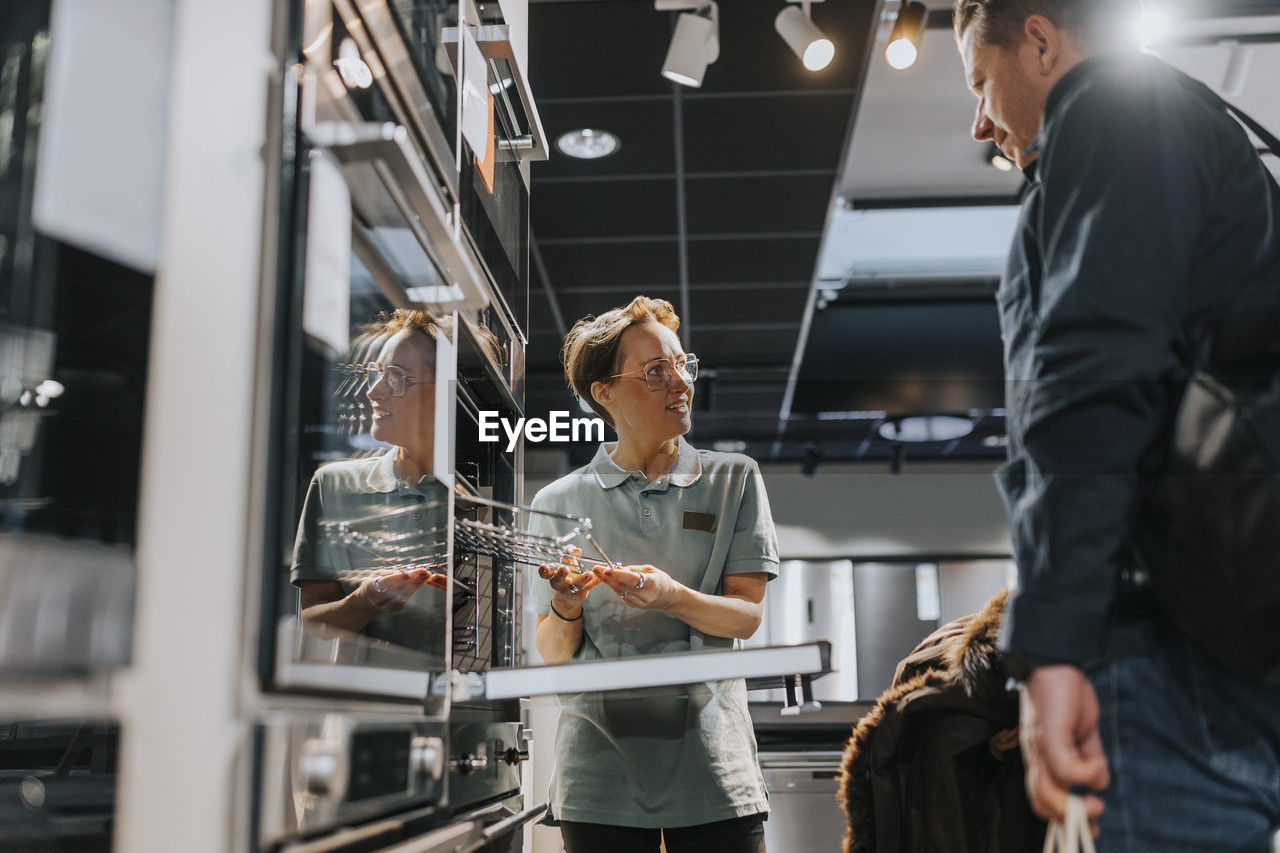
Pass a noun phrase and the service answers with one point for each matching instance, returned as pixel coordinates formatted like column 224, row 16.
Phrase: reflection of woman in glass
column 692, row 533
column 343, row 584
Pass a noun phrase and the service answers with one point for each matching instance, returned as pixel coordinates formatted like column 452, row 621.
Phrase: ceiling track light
column 803, row 36
column 695, row 44
column 908, row 32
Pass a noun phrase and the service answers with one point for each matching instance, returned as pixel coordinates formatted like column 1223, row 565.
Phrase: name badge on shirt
column 699, row 521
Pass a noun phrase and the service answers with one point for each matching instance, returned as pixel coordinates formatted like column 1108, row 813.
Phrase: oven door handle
column 503, row 826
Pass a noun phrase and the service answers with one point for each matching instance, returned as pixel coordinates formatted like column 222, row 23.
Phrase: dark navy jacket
column 1147, row 208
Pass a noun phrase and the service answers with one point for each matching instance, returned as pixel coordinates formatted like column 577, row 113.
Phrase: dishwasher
column 804, row 816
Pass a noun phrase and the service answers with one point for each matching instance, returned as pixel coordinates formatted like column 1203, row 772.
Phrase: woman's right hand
column 569, row 583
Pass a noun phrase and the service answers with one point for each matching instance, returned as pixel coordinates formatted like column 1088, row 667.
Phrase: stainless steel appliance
column 803, row 811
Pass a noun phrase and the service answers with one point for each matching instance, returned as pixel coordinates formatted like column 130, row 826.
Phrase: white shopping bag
column 1072, row 834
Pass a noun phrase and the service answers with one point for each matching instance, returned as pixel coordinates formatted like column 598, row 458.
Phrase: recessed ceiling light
column 588, row 143
column 930, row 428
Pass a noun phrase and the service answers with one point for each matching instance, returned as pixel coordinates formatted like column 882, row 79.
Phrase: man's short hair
column 1096, row 23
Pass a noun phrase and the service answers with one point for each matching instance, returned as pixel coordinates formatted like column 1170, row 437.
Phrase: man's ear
column 1046, row 38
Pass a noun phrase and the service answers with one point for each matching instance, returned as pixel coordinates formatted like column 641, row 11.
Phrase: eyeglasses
column 661, row 374
column 398, row 381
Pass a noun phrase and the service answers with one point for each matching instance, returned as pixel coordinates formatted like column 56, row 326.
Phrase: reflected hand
column 642, row 587
column 1061, row 744
column 390, row 592
column 569, row 583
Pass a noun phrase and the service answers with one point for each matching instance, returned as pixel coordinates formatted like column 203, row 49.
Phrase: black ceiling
column 734, row 177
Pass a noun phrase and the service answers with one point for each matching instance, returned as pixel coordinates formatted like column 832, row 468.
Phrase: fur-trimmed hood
column 957, row 674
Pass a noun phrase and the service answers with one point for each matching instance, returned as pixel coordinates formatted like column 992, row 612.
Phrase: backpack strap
column 1268, row 138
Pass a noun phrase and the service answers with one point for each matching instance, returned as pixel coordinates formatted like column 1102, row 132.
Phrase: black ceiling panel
column 754, row 205
column 645, row 129
column 742, row 346
column 620, row 264
column 746, row 304
column 613, row 209
column 592, row 49
column 715, row 201
column 753, row 259
column 903, row 358
column 798, row 131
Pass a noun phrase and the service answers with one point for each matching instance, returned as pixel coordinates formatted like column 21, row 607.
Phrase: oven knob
column 320, row 767
column 426, row 757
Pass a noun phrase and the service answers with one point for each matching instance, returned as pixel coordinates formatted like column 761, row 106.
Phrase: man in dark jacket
column 1147, row 208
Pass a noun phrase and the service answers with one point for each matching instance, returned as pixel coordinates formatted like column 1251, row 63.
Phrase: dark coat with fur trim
column 918, row 772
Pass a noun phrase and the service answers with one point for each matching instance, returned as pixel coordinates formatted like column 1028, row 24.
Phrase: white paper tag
column 326, row 302
column 475, row 95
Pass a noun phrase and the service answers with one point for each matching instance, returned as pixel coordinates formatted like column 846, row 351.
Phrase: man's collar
column 685, row 472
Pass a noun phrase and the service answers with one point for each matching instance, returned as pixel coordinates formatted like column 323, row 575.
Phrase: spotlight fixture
column 695, row 44
column 588, row 143
column 803, row 36
column 993, row 155
column 908, row 32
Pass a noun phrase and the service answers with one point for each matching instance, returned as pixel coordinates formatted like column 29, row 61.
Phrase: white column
column 184, row 742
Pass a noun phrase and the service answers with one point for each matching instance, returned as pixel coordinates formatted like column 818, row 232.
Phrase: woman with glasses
column 692, row 545
column 343, row 588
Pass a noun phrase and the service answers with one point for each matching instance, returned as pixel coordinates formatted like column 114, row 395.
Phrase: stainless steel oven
column 389, row 650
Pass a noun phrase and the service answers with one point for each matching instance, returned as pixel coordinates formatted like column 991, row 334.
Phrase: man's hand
column 1061, row 745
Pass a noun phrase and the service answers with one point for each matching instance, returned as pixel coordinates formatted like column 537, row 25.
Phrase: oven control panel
column 331, row 770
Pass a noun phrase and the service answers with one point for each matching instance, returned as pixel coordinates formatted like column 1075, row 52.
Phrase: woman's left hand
column 641, row 587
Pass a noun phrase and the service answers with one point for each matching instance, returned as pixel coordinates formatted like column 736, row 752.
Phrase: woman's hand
column 390, row 592
column 569, row 583
column 641, row 587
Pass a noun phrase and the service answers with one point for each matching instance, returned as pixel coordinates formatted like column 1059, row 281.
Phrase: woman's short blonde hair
column 592, row 348
column 434, row 327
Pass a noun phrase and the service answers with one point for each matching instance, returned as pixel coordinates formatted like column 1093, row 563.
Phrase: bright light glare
column 818, row 54
column 355, row 73
column 1152, row 26
column 901, row 54
column 50, row 388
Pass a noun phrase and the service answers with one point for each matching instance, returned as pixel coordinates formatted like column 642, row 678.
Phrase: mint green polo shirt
column 675, row 757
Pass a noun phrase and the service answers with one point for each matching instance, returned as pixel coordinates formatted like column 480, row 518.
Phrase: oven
column 374, row 627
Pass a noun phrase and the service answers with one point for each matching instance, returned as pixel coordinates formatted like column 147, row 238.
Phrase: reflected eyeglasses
column 661, row 374
column 398, row 382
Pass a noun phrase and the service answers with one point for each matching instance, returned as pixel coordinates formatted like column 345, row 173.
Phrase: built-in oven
column 396, row 323
column 409, row 63
column 395, row 545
